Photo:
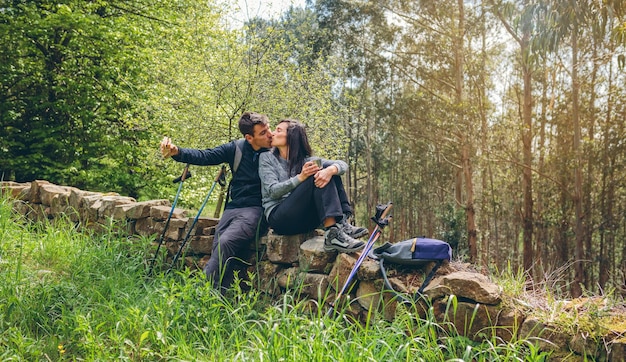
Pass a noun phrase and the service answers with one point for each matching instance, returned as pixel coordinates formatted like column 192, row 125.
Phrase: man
column 242, row 219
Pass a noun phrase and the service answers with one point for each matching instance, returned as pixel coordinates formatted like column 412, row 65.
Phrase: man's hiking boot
column 336, row 239
column 352, row 231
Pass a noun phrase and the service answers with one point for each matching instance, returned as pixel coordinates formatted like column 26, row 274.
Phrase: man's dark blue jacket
column 245, row 189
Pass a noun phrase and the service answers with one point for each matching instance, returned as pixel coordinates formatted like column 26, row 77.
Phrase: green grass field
column 66, row 295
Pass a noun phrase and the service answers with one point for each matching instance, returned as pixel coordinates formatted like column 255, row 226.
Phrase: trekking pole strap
column 381, row 214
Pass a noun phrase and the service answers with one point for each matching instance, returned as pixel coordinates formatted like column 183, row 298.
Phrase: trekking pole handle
column 220, row 175
column 186, row 174
column 384, row 215
column 382, row 220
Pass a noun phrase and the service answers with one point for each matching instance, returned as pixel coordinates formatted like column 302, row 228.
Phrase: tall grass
column 69, row 295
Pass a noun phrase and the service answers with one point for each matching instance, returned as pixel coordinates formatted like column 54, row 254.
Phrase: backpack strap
column 400, row 296
column 419, row 292
column 236, row 161
column 238, row 153
column 427, row 280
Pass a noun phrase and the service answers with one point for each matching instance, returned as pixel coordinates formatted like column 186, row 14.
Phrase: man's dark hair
column 250, row 119
column 299, row 147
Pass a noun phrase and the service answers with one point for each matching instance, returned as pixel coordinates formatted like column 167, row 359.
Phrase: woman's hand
column 323, row 176
column 308, row 169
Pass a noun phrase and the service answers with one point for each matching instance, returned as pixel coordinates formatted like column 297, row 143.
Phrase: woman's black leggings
column 307, row 206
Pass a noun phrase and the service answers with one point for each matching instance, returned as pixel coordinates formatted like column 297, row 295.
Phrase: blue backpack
column 413, row 252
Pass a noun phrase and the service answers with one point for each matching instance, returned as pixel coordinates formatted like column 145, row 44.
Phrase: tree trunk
column 577, row 194
column 590, row 154
column 541, row 232
column 466, row 174
column 469, row 205
column 351, row 174
column 527, row 182
column 484, row 246
column 607, row 227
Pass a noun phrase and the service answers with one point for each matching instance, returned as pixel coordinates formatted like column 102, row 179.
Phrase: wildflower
column 61, row 348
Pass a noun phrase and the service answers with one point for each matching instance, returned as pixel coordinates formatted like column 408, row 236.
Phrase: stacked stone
column 299, row 262
column 41, row 200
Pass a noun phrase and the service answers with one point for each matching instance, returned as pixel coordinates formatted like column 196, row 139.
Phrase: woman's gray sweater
column 276, row 185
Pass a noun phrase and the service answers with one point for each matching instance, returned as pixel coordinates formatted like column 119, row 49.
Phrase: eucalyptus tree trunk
column 613, row 249
column 590, row 154
column 482, row 91
column 465, row 136
column 527, row 132
column 393, row 185
column 369, row 168
column 561, row 243
column 541, row 234
column 608, row 225
column 579, row 278
column 525, row 50
column 351, row 173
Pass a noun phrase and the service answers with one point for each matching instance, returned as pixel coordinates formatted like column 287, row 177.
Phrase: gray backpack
column 413, row 252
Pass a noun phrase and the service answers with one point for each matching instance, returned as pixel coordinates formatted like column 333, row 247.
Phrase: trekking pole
column 185, row 175
column 381, row 221
column 218, row 179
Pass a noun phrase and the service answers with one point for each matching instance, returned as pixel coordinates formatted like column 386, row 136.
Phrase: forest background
column 495, row 125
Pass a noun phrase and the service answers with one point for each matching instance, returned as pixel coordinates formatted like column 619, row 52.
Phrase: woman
column 298, row 195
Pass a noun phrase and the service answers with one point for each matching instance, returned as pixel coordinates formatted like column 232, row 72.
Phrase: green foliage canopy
column 90, row 87
column 68, row 71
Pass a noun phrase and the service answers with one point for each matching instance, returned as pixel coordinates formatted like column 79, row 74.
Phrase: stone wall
column 299, row 261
